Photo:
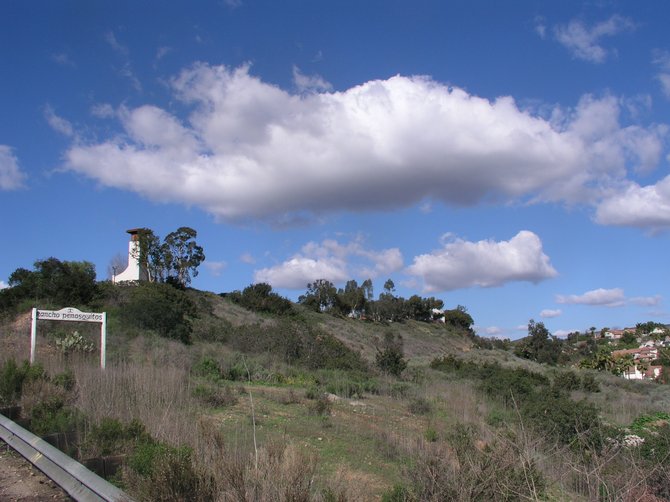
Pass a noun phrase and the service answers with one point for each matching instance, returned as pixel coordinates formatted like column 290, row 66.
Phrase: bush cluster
column 161, row 308
column 298, row 343
column 13, row 377
column 260, row 298
column 547, row 409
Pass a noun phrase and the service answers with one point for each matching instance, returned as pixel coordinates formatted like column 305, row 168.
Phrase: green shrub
column 260, row 298
column 570, row 422
column 431, row 435
column 347, row 383
column 390, row 358
column 111, row 436
column 398, row 493
column 297, row 343
column 567, row 381
column 207, row 368
column 589, row 383
column 14, row 377
column 161, row 308
column 165, row 473
column 65, row 380
column 510, row 386
column 53, row 416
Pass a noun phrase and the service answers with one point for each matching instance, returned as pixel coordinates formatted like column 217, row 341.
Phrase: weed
column 215, row 396
column 431, row 435
column 420, row 406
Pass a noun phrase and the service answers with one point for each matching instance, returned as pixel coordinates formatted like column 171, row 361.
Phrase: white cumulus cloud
column 584, row 42
column 549, row 313
column 637, row 206
column 215, row 267
column 597, row 297
column 3, row 285
column 11, row 177
column 332, row 261
column 487, row 263
column 250, row 150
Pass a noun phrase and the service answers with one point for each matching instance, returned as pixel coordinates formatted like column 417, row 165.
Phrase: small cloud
column 110, row 38
column 646, row 301
column 493, row 330
column 103, row 111
column 127, row 72
column 215, row 267
column 63, row 59
column 11, row 176
column 662, row 60
column 58, row 124
column 541, row 27
column 3, row 285
column 426, row 208
column 584, row 42
column 247, row 258
column 562, row 333
column 162, row 52
column 597, row 297
column 549, row 313
column 309, row 83
column 232, row 4
column 317, row 57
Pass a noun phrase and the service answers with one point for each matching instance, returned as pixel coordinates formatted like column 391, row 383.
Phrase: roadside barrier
column 80, row 483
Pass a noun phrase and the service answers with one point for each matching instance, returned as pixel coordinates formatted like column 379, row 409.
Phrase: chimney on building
column 135, row 271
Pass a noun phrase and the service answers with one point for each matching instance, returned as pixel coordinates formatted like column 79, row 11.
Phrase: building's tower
column 135, row 270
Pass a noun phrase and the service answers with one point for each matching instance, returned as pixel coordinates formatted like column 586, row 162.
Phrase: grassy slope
column 363, row 442
column 422, row 341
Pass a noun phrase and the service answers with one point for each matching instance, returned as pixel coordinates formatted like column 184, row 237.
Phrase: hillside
column 260, row 406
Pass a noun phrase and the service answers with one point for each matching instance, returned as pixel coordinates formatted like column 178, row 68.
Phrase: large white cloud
column 11, row 176
column 332, row 261
column 487, row 263
column 252, row 150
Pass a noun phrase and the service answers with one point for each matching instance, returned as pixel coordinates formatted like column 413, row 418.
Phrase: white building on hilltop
column 134, row 271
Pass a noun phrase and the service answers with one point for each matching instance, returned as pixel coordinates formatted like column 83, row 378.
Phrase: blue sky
column 511, row 157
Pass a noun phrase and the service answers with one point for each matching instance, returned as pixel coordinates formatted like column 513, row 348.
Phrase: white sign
column 69, row 314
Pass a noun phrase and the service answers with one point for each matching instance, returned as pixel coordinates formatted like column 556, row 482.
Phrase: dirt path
column 21, row 482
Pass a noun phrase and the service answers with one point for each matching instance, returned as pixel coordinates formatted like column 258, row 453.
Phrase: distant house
column 642, row 356
column 614, row 334
column 636, row 373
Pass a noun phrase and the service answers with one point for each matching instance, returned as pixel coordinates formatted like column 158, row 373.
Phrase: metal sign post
column 73, row 315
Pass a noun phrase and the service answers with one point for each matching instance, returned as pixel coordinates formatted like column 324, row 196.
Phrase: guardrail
column 80, row 483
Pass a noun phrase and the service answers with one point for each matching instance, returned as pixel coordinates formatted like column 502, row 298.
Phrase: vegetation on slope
column 250, row 397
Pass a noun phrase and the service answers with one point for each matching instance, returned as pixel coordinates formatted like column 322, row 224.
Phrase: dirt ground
column 21, row 482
